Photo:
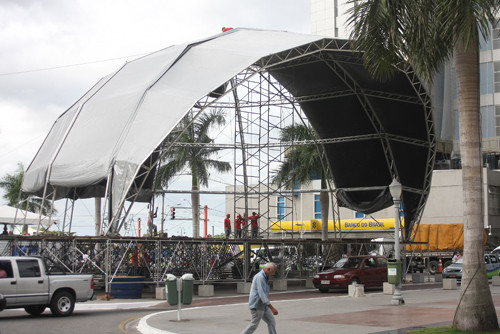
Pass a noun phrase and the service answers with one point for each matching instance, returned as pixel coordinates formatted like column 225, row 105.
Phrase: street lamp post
column 395, row 189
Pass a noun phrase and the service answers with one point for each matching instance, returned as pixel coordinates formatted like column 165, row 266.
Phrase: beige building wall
column 444, row 205
column 328, row 18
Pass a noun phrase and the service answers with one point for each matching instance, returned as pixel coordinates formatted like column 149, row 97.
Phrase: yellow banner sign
column 345, row 225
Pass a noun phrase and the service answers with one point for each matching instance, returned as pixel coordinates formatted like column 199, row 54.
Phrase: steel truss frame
column 209, row 260
column 262, row 107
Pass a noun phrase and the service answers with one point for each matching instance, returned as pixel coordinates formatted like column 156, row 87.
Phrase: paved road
column 91, row 317
column 426, row 305
column 301, row 311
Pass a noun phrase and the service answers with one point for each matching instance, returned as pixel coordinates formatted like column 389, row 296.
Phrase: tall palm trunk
column 98, row 227
column 475, row 310
column 195, row 202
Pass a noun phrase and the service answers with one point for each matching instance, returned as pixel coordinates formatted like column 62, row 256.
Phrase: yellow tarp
column 439, row 237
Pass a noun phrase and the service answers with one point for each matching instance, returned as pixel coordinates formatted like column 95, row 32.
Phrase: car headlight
column 339, row 277
column 316, row 276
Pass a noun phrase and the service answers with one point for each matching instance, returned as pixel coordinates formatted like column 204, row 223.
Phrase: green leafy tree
column 11, row 185
column 195, row 157
column 427, row 33
column 301, row 162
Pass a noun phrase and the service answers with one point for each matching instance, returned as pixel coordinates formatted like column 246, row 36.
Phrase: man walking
column 258, row 302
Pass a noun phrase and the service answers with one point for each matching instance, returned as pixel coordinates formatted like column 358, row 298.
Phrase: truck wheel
column 35, row 310
column 433, row 267
column 62, row 304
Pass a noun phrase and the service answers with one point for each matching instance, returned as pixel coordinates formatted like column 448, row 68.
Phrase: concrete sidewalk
column 425, row 306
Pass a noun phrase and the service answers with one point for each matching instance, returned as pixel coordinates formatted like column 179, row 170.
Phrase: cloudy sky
column 53, row 51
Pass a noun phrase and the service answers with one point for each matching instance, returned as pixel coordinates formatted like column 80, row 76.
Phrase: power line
column 70, row 65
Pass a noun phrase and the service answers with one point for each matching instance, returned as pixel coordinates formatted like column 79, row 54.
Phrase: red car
column 368, row 270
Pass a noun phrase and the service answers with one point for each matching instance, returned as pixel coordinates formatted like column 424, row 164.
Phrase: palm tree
column 195, row 157
column 300, row 164
column 427, row 33
column 11, row 184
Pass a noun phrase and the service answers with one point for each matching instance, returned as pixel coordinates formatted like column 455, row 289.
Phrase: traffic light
column 172, row 213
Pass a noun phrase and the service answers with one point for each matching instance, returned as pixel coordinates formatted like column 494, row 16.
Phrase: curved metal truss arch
column 259, row 107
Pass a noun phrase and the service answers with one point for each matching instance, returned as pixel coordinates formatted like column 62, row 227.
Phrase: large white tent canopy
column 14, row 216
column 100, row 144
column 113, row 128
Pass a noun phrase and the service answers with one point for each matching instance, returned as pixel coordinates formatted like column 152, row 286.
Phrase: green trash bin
column 172, row 293
column 187, row 288
column 394, row 271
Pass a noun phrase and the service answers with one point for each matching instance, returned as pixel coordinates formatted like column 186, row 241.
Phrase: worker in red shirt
column 244, row 226
column 237, row 227
column 254, row 224
column 227, row 225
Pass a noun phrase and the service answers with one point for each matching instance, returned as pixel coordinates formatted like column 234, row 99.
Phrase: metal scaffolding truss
column 209, row 260
column 260, row 107
column 263, row 110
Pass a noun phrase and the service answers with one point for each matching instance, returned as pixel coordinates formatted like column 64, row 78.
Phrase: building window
column 496, row 76
column 486, row 78
column 359, row 215
column 488, row 121
column 496, row 37
column 497, row 120
column 494, row 200
column 317, row 207
column 280, row 207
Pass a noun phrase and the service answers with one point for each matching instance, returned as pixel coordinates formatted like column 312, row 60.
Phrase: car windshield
column 460, row 260
column 350, row 262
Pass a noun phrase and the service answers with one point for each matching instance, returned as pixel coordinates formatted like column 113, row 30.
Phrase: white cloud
column 22, row 132
column 48, row 35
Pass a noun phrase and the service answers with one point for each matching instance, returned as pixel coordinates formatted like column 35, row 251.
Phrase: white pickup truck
column 32, row 285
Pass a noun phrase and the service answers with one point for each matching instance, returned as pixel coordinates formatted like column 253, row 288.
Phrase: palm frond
column 196, row 158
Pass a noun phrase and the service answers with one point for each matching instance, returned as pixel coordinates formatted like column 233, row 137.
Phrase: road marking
column 122, row 325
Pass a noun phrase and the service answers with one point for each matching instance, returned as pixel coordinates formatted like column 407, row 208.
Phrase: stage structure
column 369, row 132
column 210, row 261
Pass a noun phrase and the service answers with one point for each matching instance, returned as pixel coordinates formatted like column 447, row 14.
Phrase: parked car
column 368, row 270
column 491, row 261
column 32, row 285
column 496, row 251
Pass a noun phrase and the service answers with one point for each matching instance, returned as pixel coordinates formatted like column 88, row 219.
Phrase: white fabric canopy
column 118, row 123
column 13, row 216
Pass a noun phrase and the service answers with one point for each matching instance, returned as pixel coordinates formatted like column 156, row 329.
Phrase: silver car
column 454, row 270
column 491, row 261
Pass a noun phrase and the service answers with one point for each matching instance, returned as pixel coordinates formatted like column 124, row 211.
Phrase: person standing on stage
column 227, row 226
column 254, row 224
column 237, row 227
